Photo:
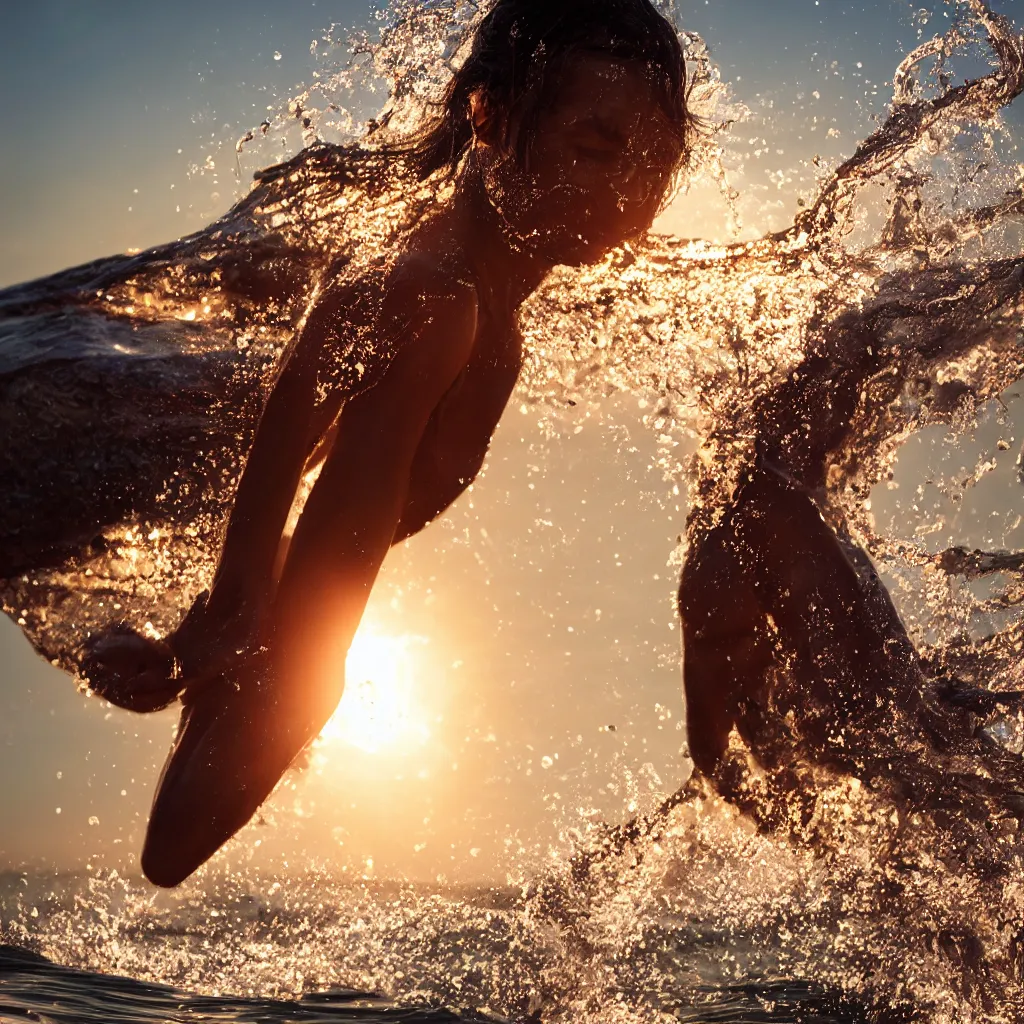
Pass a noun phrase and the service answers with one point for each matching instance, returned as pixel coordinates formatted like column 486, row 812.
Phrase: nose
column 633, row 186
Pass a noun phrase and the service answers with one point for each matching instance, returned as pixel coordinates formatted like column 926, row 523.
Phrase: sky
column 538, row 614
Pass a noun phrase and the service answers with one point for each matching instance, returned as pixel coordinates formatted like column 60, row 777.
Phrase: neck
column 506, row 271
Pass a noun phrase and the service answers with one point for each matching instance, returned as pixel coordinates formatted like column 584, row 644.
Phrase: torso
column 458, row 433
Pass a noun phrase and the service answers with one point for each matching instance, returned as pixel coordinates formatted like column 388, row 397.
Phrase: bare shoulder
column 415, row 296
column 437, row 292
column 428, row 316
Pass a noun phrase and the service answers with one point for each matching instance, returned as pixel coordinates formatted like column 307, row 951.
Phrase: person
column 790, row 638
column 770, row 577
column 560, row 136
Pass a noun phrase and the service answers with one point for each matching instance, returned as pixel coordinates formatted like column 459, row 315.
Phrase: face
column 601, row 158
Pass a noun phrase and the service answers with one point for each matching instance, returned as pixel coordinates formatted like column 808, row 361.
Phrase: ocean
column 363, row 954
column 871, row 877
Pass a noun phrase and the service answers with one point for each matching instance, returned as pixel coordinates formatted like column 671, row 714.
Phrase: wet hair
column 517, row 52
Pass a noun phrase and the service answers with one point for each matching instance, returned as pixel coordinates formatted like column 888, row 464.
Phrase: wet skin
column 260, row 662
column 790, row 637
column 771, row 587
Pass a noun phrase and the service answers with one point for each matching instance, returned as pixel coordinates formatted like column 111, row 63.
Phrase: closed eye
column 600, row 154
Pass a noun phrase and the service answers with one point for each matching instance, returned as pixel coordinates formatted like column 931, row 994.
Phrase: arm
column 136, row 673
column 265, row 494
column 350, row 519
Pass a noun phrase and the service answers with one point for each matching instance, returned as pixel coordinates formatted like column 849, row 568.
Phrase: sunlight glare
column 378, row 710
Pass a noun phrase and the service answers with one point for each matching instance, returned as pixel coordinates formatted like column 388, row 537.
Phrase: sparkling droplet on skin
column 690, row 297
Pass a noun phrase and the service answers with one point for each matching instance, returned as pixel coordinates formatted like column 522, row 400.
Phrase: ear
column 486, row 123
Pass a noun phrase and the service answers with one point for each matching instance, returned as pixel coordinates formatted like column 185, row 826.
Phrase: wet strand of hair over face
column 513, row 59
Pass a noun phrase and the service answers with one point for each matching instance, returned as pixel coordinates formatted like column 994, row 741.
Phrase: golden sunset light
column 379, row 710
column 512, row 511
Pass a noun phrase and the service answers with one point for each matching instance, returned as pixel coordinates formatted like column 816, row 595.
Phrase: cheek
column 572, row 213
column 548, row 202
column 558, row 181
column 588, row 184
column 573, row 194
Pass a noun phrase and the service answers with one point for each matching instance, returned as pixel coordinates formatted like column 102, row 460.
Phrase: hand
column 211, row 638
column 131, row 672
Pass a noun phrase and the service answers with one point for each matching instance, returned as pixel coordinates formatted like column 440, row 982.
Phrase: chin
column 583, row 252
column 595, row 245
column 580, row 248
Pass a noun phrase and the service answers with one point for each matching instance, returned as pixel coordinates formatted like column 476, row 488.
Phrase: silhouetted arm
column 264, row 498
column 271, row 476
column 350, row 518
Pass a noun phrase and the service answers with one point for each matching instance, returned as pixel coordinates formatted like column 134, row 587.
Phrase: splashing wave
column 130, row 388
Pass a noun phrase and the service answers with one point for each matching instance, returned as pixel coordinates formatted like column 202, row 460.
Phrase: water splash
column 915, row 316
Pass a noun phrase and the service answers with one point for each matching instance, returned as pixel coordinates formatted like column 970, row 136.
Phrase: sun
column 379, row 710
